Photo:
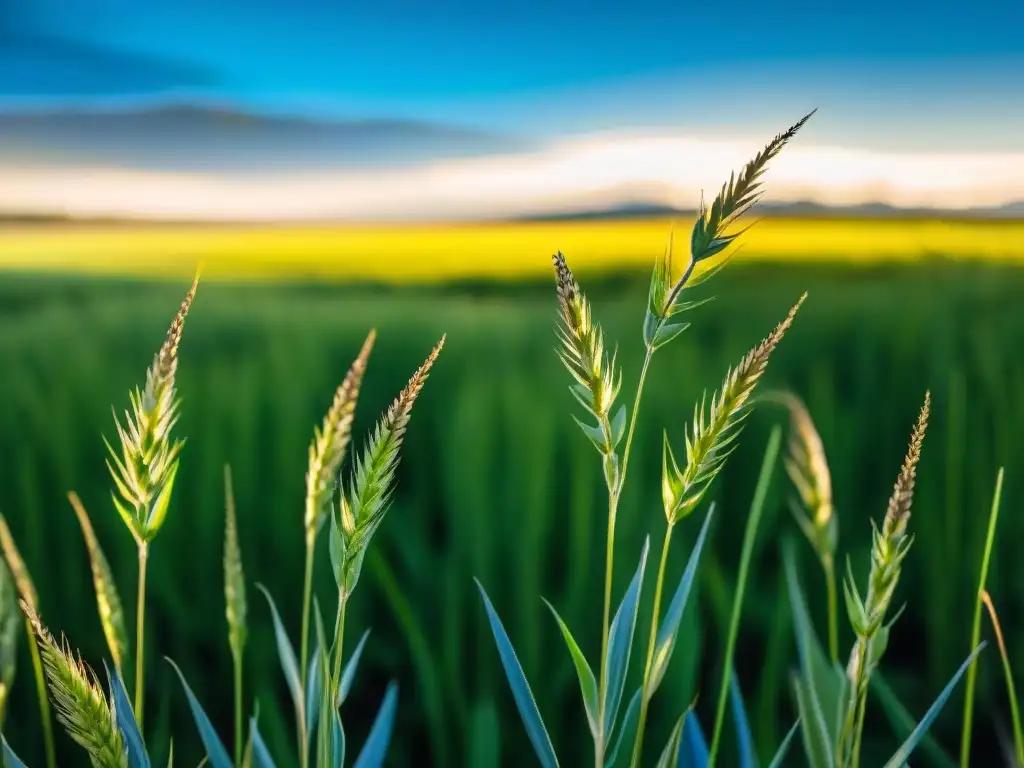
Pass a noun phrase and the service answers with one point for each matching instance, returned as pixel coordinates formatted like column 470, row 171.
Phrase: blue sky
column 891, row 75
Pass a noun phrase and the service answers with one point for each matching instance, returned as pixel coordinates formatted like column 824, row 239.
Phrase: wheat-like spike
column 22, row 580
column 330, row 441
column 81, row 706
column 144, row 471
column 373, row 477
column 583, row 351
column 712, row 434
column 234, row 575
column 898, row 512
column 108, row 601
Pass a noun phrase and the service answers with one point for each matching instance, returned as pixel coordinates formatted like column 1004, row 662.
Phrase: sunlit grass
column 498, row 250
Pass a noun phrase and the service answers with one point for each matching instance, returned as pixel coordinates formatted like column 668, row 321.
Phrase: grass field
column 495, row 471
column 445, row 252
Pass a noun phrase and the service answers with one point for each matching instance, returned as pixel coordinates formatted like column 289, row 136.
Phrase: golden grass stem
column 44, row 698
column 140, row 632
column 972, row 670
column 1018, row 737
column 747, row 553
column 651, row 641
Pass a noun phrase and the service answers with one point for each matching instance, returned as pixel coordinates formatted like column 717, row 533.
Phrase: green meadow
column 497, row 482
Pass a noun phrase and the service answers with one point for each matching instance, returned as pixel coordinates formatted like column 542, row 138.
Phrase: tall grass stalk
column 1018, row 733
column 234, row 602
column 753, row 521
column 972, row 671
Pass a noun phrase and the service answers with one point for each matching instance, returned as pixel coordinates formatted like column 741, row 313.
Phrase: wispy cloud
column 595, row 170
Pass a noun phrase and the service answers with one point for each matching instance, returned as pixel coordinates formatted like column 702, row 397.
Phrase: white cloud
column 587, row 170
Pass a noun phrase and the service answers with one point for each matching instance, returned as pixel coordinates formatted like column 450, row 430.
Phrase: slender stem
column 44, row 700
column 859, row 731
column 614, row 493
column 753, row 520
column 238, row 710
column 972, row 670
column 339, row 642
column 140, row 630
column 645, row 696
column 850, row 723
column 833, row 618
column 307, row 598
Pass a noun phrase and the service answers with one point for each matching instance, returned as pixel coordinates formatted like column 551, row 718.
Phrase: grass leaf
column 669, row 630
column 525, row 702
column 783, row 749
column 376, row 747
column 348, row 674
column 903, row 722
column 588, row 685
column 215, row 750
column 628, row 730
column 286, row 653
column 620, row 642
column 260, row 754
column 670, row 755
column 314, row 682
column 902, row 754
column 11, row 760
column 693, row 749
column 125, row 719
column 817, row 747
column 744, row 738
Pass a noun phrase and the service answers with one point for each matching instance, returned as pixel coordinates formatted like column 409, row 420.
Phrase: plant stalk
column 645, row 697
column 833, row 610
column 753, row 521
column 44, row 700
column 339, row 641
column 307, row 598
column 972, row 670
column 140, row 630
column 238, row 710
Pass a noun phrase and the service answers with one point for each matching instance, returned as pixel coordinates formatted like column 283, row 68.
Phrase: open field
column 444, row 252
column 497, row 482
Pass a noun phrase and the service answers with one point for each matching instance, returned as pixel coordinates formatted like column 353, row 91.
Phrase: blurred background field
column 498, row 483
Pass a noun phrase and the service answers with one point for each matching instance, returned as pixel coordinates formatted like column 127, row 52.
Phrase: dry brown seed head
column 167, row 357
column 903, row 493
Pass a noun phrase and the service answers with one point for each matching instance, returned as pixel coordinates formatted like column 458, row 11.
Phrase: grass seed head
column 362, row 511
column 108, row 601
column 234, row 576
column 144, row 470
column 330, row 441
column 18, row 570
column 81, row 706
column 710, row 439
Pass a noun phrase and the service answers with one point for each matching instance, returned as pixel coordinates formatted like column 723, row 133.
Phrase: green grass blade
column 628, row 730
column 129, row 727
column 817, row 747
column 972, row 674
column 771, row 455
column 588, row 684
column 525, row 702
column 620, row 642
column 670, row 754
column 348, row 675
column 903, row 722
column 669, row 629
column 314, row 681
column 903, row 753
column 783, row 750
column 260, row 754
column 215, row 750
column 744, row 738
column 376, row 747
column 289, row 664
column 338, row 740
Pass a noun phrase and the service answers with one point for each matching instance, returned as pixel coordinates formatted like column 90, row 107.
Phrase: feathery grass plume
column 709, row 439
column 108, row 601
column 708, row 238
column 145, row 470
column 807, row 467
column 363, row 509
column 234, row 600
column 583, row 354
column 10, row 621
column 867, row 615
column 331, row 440
column 82, row 708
